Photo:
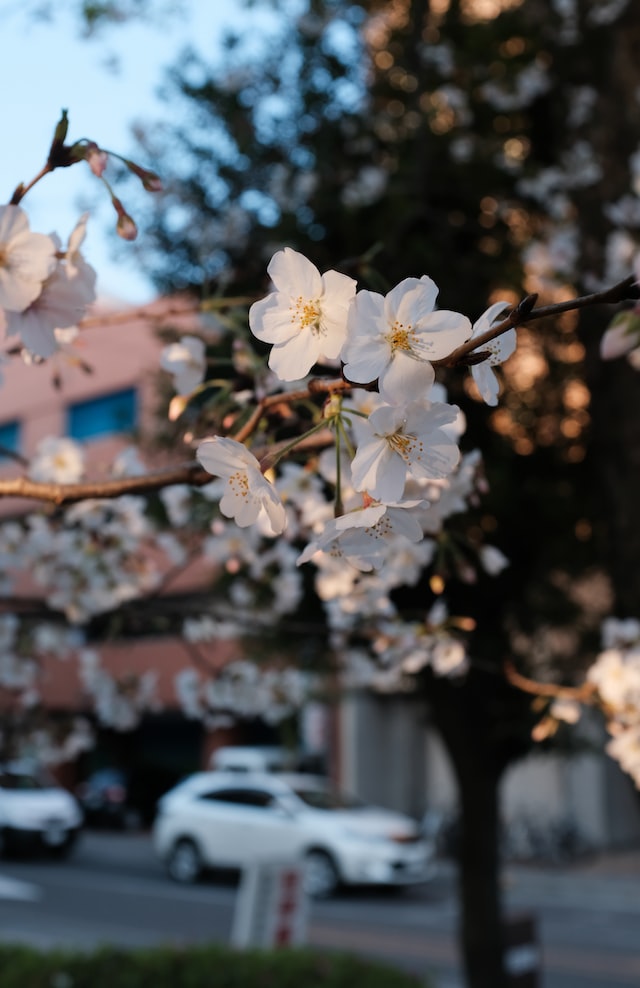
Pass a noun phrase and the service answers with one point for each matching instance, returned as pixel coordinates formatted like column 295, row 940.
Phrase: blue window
column 112, row 413
column 9, row 439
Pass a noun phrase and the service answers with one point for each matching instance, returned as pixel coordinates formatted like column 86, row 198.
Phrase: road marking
column 13, row 888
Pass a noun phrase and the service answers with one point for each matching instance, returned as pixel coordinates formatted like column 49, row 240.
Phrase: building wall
column 382, row 752
column 390, row 755
column 119, row 349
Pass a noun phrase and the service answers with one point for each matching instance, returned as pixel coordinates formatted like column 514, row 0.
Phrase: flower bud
column 150, row 181
column 62, row 127
column 96, row 158
column 59, row 156
column 177, row 406
column 332, row 407
column 125, row 227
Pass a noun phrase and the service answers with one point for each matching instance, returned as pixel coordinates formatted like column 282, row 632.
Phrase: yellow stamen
column 409, row 447
column 382, row 528
column 306, row 313
column 239, row 484
column 399, row 336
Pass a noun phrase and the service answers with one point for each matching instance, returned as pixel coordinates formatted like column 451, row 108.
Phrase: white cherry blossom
column 58, row 461
column 404, row 440
column 616, row 674
column 177, row 504
column 624, row 747
column 492, row 560
column 247, row 493
column 26, row 260
column 62, row 301
column 394, row 338
column 128, row 463
column 363, row 536
column 499, row 350
column 305, row 318
column 186, row 362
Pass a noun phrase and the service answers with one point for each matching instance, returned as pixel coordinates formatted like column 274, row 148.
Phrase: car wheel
column 321, row 877
column 184, row 863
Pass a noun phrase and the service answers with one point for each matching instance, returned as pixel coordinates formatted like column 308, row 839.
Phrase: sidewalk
column 608, row 881
column 623, row 864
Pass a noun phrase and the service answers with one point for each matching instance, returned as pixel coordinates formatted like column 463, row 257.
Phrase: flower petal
column 406, row 379
column 294, row 274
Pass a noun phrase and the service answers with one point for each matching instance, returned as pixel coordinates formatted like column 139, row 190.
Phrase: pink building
column 102, row 391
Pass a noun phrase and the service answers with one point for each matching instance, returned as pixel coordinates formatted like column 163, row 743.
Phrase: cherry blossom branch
column 191, row 474
column 315, row 387
column 21, row 190
column 582, row 694
column 61, row 494
column 525, row 312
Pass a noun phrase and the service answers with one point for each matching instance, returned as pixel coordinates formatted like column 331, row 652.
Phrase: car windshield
column 328, row 799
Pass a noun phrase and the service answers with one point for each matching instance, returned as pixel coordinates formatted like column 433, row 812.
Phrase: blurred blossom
column 57, row 460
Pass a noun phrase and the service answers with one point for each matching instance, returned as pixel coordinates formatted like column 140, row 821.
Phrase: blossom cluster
column 616, row 676
column 45, row 290
column 93, row 559
column 370, row 508
column 404, row 437
column 242, row 690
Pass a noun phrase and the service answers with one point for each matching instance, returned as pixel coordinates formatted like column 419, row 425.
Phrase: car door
column 240, row 823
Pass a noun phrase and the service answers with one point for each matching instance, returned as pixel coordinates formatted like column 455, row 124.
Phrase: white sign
column 271, row 906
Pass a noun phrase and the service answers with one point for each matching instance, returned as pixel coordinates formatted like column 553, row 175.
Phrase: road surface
column 114, row 890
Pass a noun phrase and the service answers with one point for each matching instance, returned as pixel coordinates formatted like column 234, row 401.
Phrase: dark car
column 105, row 799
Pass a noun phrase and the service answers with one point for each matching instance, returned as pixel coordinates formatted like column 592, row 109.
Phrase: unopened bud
column 177, row 406
column 150, row 181
column 125, row 227
column 332, row 407
column 59, row 156
column 97, row 159
column 60, row 133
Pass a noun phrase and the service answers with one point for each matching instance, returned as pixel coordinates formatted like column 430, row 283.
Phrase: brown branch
column 60, row 494
column 582, row 694
column 316, row 386
column 192, row 474
column 526, row 312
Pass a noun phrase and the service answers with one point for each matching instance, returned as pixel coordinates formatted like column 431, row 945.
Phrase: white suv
column 35, row 812
column 224, row 819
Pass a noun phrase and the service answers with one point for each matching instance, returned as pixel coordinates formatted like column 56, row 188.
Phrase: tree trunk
column 481, row 915
column 465, row 716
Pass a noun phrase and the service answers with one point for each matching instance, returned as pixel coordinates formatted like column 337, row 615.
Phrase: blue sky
column 45, row 67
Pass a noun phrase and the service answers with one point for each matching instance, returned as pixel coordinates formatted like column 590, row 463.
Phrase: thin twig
column 582, row 694
column 526, row 312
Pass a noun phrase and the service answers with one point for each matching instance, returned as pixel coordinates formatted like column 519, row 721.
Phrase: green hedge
column 195, row 967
